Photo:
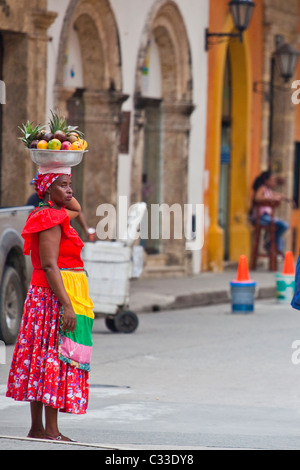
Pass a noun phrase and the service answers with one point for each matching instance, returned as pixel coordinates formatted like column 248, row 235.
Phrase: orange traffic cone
column 243, row 270
column 243, row 289
column 289, row 265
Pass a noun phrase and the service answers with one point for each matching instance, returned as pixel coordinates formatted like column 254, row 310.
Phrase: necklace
column 49, row 204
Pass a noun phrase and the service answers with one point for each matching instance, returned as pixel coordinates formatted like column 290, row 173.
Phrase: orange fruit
column 77, row 145
column 42, row 145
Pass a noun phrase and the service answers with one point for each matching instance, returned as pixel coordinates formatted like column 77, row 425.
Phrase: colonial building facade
column 167, row 121
column 133, row 75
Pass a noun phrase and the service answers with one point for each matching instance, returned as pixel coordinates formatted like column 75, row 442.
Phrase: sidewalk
column 148, row 295
column 23, row 443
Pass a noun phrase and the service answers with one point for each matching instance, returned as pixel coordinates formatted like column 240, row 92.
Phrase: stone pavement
column 187, row 379
column 148, row 295
column 206, row 288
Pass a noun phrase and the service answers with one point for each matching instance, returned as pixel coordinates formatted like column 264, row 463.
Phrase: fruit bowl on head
column 56, row 158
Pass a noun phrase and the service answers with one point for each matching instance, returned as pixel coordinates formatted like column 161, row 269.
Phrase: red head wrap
column 43, row 182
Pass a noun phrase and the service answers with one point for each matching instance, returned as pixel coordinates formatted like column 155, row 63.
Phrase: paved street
column 192, row 378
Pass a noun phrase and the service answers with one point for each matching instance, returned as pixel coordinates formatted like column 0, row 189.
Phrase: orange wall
column 218, row 14
column 218, row 11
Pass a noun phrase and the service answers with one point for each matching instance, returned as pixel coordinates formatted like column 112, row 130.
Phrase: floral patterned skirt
column 36, row 372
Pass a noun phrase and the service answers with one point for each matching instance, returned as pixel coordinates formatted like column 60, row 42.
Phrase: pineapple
column 60, row 129
column 30, row 133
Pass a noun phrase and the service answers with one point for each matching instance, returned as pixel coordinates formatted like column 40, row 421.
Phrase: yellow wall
column 246, row 133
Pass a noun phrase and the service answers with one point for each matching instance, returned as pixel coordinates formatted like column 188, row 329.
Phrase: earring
column 50, row 203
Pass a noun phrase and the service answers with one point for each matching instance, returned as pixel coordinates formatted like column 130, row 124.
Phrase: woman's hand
column 69, row 320
column 73, row 208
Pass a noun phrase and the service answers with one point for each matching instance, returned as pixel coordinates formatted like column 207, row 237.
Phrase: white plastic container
column 285, row 288
column 108, row 265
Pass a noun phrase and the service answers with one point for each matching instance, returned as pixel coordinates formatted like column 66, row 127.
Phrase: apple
column 54, row 144
column 66, row 145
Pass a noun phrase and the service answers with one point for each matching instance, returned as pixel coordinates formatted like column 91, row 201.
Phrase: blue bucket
column 242, row 296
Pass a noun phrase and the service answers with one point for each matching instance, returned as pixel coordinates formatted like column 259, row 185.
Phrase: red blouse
column 70, row 243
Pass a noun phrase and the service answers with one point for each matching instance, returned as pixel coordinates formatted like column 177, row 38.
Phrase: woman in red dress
column 39, row 373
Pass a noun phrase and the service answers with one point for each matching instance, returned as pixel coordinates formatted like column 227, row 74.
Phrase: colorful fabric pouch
column 76, row 348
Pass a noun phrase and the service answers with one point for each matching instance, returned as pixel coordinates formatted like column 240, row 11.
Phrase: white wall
column 73, row 76
column 151, row 82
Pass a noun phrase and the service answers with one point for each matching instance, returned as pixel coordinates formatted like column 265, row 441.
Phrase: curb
column 60, row 445
column 201, row 299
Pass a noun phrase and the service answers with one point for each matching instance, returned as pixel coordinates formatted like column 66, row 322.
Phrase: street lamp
column 287, row 58
column 241, row 12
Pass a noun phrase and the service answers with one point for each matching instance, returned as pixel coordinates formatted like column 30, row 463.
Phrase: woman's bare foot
column 36, row 434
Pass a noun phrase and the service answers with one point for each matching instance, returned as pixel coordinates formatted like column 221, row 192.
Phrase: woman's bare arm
column 260, row 196
column 73, row 208
column 49, row 241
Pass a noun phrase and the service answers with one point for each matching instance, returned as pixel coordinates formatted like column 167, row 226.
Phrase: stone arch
column 166, row 25
column 92, row 53
column 100, row 98
column 99, row 39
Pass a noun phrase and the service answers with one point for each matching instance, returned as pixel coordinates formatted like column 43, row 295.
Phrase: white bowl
column 56, row 158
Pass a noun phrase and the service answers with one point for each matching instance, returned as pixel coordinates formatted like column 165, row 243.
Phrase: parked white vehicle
column 15, row 271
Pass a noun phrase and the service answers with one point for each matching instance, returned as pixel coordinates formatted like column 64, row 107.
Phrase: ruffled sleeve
column 44, row 220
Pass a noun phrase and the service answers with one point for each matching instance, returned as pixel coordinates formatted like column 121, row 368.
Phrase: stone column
column 176, row 128
column 138, row 150
column 282, row 21
column 61, row 96
column 102, row 126
column 24, row 72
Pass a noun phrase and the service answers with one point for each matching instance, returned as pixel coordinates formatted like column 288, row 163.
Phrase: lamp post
column 286, row 56
column 241, row 12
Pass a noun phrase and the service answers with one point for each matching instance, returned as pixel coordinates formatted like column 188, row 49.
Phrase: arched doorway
column 162, row 121
column 95, row 100
column 229, row 237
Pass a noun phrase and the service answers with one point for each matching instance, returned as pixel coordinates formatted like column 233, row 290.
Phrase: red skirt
column 36, row 373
